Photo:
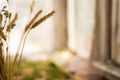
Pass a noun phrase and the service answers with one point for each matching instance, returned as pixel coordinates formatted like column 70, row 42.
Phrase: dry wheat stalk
column 3, row 71
column 12, row 23
column 42, row 19
column 2, row 34
column 29, row 27
column 2, row 76
column 4, row 53
column 1, row 17
column 32, row 20
column 13, row 66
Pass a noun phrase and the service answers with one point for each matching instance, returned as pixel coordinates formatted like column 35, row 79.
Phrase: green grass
column 30, row 70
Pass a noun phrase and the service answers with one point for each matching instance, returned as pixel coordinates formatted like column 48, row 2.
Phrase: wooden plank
column 102, row 34
column 114, row 20
column 117, row 57
column 110, row 69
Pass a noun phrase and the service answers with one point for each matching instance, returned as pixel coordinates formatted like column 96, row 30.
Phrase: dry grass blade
column 11, row 24
column 1, row 78
column 7, row 63
column 1, row 17
column 32, row 20
column 2, row 34
column 2, row 68
column 42, row 19
column 13, row 66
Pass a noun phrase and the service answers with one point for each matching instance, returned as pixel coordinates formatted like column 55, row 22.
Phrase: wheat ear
column 42, row 19
column 32, row 21
column 12, row 23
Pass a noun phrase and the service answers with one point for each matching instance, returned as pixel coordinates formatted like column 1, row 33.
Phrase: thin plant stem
column 13, row 66
column 24, row 40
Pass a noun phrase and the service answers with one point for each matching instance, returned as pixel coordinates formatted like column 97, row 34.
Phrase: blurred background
column 87, row 31
column 71, row 27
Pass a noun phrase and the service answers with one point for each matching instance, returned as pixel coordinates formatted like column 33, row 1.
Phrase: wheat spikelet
column 42, row 19
column 12, row 23
column 32, row 20
column 2, row 34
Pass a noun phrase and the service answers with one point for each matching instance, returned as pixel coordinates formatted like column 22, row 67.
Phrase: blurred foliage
column 33, row 70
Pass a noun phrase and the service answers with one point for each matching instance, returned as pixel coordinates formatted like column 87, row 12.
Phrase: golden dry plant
column 7, row 23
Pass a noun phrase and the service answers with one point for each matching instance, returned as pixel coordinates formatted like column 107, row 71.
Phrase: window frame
column 105, row 44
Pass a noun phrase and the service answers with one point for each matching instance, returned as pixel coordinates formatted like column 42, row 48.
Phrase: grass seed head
column 12, row 23
column 42, row 19
column 3, row 36
column 32, row 20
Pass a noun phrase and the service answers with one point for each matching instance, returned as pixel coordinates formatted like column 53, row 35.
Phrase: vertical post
column 114, row 21
column 60, row 23
column 95, row 43
column 103, row 30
